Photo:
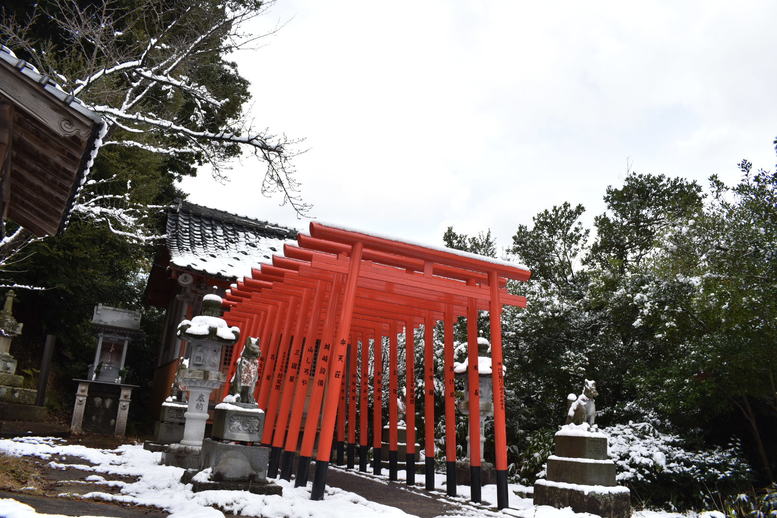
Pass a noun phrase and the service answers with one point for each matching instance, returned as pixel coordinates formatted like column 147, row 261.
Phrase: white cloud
column 420, row 115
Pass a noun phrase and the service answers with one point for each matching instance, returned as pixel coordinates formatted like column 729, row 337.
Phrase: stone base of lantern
column 182, row 456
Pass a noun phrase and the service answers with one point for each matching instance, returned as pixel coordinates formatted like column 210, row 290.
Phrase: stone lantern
column 103, row 399
column 207, row 335
column 485, row 386
column 11, row 390
column 9, row 328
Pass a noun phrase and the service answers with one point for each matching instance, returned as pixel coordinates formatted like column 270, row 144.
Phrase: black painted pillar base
column 363, row 451
column 287, row 464
column 303, row 468
column 392, row 464
column 351, row 455
column 410, row 469
column 275, row 460
column 319, row 480
column 429, row 469
column 377, row 460
column 474, row 483
column 502, row 498
column 450, row 478
column 340, row 449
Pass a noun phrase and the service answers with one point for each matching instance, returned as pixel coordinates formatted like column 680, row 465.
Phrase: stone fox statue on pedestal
column 581, row 408
column 247, row 372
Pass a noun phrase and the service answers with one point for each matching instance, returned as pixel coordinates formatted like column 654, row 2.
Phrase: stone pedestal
column 242, row 422
column 169, row 428
column 233, row 459
column 581, row 476
column 101, row 407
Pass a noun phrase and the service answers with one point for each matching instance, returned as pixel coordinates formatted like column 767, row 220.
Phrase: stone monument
column 207, row 335
column 103, row 399
column 401, row 456
column 580, row 474
column 11, row 390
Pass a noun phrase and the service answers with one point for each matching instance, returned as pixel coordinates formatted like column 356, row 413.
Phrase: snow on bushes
column 659, row 469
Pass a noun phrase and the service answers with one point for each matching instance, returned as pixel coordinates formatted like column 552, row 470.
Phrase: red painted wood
column 473, row 381
column 410, row 386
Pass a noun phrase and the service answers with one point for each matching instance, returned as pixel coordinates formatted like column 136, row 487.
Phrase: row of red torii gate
column 342, row 292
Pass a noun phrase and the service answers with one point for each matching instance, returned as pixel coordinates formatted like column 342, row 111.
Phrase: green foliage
column 670, row 306
column 755, row 504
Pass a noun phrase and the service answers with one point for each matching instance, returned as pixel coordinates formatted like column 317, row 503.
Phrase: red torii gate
column 339, row 290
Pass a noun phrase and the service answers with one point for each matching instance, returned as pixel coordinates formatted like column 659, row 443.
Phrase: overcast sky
column 419, row 115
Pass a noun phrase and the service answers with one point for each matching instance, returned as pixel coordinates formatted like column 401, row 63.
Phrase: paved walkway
column 395, row 494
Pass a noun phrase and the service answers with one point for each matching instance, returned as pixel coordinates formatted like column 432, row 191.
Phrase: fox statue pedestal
column 580, row 474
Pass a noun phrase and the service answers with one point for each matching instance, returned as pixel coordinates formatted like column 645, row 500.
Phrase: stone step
column 19, row 412
column 608, row 502
column 587, row 472
column 22, row 396
column 11, row 380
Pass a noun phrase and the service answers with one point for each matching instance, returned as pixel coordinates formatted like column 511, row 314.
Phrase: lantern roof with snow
column 209, row 325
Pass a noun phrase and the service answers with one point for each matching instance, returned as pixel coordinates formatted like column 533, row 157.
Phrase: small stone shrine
column 232, row 455
column 11, row 390
column 207, row 335
column 580, row 474
column 103, row 399
column 401, row 457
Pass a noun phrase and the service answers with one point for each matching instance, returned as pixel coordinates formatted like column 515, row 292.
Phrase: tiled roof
column 219, row 243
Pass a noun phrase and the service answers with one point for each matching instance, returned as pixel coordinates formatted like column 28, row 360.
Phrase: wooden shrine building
column 203, row 248
column 48, row 141
column 339, row 293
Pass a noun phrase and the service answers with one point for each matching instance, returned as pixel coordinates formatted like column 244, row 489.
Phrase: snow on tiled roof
column 219, row 243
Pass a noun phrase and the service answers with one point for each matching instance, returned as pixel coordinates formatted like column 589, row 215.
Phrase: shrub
column 660, row 471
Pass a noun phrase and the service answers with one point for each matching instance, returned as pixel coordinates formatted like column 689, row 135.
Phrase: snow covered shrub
column 660, row 471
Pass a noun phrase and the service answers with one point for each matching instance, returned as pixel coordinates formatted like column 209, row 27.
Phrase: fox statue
column 246, row 373
column 581, row 408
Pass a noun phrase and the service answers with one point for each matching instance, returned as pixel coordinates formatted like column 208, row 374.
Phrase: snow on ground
column 13, row 509
column 159, row 486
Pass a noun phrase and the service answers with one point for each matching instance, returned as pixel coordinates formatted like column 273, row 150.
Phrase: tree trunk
column 749, row 415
